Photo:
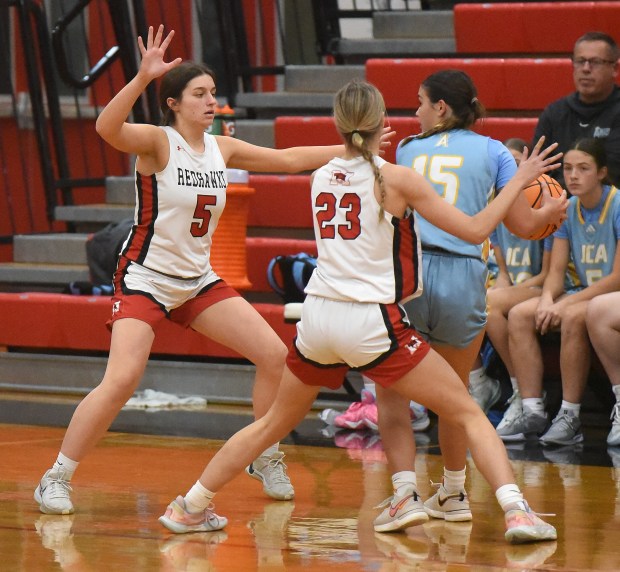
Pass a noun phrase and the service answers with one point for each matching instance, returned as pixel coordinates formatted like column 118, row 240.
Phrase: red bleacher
column 281, row 201
column 58, row 321
column 504, row 84
column 530, row 27
column 299, row 130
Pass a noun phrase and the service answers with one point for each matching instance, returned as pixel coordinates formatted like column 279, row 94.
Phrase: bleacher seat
column 280, row 201
column 530, row 27
column 294, row 130
column 58, row 321
column 504, row 84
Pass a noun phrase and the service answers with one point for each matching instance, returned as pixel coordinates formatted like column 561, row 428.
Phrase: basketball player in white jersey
column 368, row 262
column 164, row 271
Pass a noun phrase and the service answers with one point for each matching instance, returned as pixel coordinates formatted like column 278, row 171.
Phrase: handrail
column 28, row 8
column 61, row 56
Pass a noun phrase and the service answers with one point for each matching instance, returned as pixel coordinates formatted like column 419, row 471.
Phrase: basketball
column 534, row 195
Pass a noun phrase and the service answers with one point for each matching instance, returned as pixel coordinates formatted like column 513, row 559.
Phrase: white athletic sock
column 534, row 405
column 515, row 385
column 510, row 497
column 573, row 407
column 198, row 498
column 616, row 390
column 454, row 481
column 270, row 450
column 403, row 480
column 66, row 465
column 476, row 374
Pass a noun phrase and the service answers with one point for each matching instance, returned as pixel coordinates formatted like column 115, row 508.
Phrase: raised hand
column 539, row 162
column 384, row 142
column 153, row 64
column 533, row 166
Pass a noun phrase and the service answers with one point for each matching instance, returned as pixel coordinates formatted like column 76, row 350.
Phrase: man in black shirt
column 594, row 109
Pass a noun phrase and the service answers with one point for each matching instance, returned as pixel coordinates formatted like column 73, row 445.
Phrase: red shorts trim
column 145, row 308
column 312, row 373
column 407, row 351
column 410, row 350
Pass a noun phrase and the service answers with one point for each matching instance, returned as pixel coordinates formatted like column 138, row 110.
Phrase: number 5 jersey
column 177, row 210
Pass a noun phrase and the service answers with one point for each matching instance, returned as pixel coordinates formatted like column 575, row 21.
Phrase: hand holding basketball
column 541, row 192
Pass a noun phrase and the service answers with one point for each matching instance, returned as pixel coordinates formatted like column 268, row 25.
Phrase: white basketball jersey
column 361, row 258
column 177, row 210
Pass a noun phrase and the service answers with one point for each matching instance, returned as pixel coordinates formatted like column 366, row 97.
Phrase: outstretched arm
column 239, row 154
column 112, row 123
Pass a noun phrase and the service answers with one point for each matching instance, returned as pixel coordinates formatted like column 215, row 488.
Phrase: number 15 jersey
column 361, row 258
column 466, row 169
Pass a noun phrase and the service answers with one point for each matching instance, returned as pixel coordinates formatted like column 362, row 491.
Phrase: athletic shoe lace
column 529, row 510
column 58, row 488
column 565, row 421
column 278, row 466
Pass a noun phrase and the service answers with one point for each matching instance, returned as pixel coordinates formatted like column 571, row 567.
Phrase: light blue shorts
column 452, row 309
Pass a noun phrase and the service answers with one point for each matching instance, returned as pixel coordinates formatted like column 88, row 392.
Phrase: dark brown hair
column 174, row 82
column 595, row 148
column 457, row 89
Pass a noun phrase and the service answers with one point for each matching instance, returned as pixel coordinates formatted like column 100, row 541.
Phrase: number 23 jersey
column 361, row 258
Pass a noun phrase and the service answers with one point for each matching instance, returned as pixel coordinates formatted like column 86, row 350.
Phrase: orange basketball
column 534, row 195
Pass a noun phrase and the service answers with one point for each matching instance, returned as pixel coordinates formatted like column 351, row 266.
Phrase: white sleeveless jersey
column 177, row 210
column 361, row 258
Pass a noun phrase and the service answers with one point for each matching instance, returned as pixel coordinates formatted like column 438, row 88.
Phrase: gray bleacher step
column 59, row 248
column 24, row 274
column 320, row 78
column 96, row 213
column 120, row 190
column 414, row 24
column 256, row 131
column 64, row 374
column 359, row 50
column 274, row 104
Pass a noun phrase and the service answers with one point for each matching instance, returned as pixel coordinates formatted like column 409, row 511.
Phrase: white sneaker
column 452, row 507
column 271, row 471
column 526, row 426
column 613, row 439
column 513, row 411
column 485, row 391
column 565, row 430
column 400, row 512
column 52, row 494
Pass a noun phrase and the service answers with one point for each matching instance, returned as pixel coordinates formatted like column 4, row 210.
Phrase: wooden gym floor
column 122, row 488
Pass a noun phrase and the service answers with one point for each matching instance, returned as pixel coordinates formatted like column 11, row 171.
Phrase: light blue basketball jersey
column 593, row 235
column 523, row 257
column 465, row 169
